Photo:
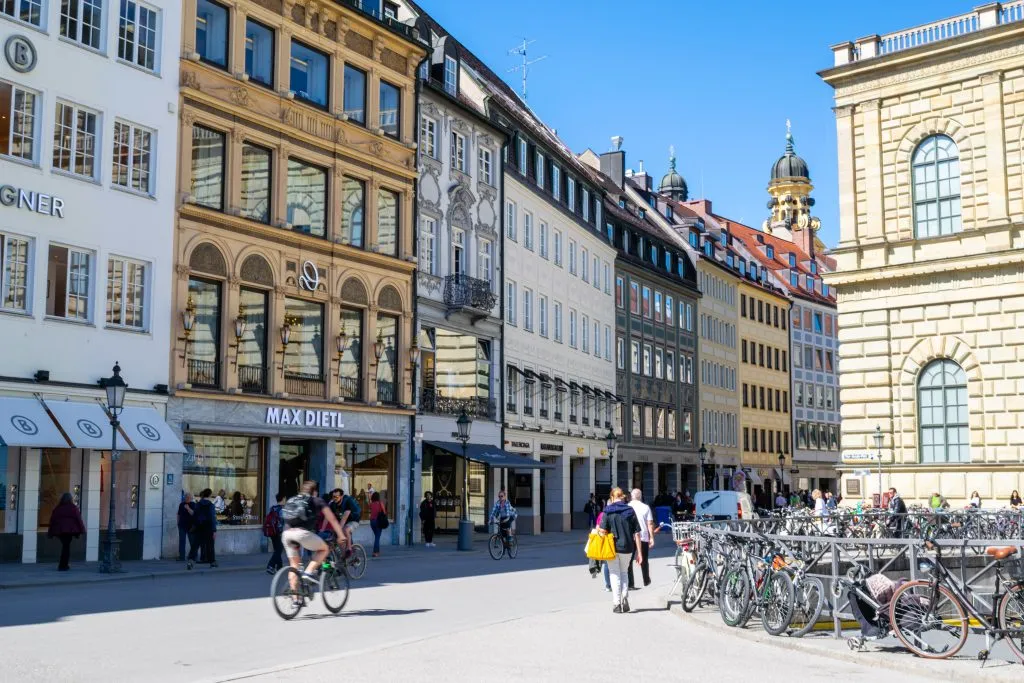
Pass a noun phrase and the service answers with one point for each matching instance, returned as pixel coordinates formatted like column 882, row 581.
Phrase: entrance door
column 294, row 467
column 60, row 472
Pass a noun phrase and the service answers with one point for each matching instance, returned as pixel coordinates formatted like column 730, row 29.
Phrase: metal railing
column 463, row 291
column 351, row 388
column 203, row 373
column 387, row 392
column 252, row 379
column 393, row 24
column 301, row 384
column 433, row 401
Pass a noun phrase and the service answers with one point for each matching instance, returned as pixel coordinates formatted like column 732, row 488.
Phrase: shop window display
column 370, row 467
column 227, row 465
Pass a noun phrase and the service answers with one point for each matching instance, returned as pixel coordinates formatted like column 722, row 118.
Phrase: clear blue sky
column 716, row 79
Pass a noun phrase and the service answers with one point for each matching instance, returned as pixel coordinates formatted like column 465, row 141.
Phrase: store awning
column 491, row 455
column 530, row 375
column 24, row 422
column 148, row 432
column 611, row 396
column 86, row 425
column 587, row 390
column 575, row 387
column 562, row 386
column 545, row 379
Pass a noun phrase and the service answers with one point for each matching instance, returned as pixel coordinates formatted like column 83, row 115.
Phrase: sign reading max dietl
column 297, row 417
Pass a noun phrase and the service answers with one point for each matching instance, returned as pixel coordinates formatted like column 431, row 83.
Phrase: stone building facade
column 930, row 264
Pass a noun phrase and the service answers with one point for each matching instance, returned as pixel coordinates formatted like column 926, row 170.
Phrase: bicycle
column 503, row 542
column 934, row 609
column 757, row 582
column 808, row 591
column 291, row 590
column 353, row 562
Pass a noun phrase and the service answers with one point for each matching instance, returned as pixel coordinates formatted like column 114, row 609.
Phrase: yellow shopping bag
column 600, row 547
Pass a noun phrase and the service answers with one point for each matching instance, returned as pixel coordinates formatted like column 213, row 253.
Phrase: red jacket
column 66, row 519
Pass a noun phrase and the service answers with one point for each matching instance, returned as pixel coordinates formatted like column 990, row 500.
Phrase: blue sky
column 717, row 80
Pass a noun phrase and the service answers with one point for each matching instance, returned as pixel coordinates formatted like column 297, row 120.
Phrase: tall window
column 126, row 293
column 136, row 35
column 556, row 181
column 204, row 352
column 572, row 328
column 17, row 121
column 936, row 168
column 458, row 152
column 484, row 264
column 585, row 333
column 522, row 161
column 29, row 11
column 942, row 413
column 543, row 235
column 14, row 278
column 387, row 222
column 558, row 248
column 212, row 32
column 304, row 356
column 74, row 140
column 68, row 283
column 428, row 136
column 307, row 198
column 451, row 75
column 350, row 367
column 309, row 74
column 510, row 220
column 428, row 245
column 558, row 322
column 543, row 314
column 570, row 193
column 81, row 21
column 387, row 366
column 527, row 309
column 510, row 302
column 355, row 94
column 353, row 203
column 539, row 161
column 390, row 109
column 528, row 230
column 208, row 167
column 256, row 183
column 252, row 346
column 259, row 53
column 133, row 149
column 486, row 169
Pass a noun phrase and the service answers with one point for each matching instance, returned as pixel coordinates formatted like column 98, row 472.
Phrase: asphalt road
column 441, row 618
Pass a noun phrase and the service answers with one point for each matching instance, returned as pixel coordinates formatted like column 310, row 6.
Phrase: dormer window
column 814, row 267
column 743, row 266
column 654, row 254
column 824, row 289
column 643, row 213
column 792, row 260
column 794, row 278
column 451, row 71
column 694, row 240
column 653, row 202
column 523, row 147
column 668, row 212
column 723, row 237
column 668, row 261
column 769, row 251
column 810, row 283
column 729, row 261
column 622, row 203
column 709, row 248
column 390, row 11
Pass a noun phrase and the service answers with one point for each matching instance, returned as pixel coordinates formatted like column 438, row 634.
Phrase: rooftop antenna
column 524, row 68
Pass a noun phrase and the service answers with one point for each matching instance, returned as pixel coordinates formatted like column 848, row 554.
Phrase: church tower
column 791, row 201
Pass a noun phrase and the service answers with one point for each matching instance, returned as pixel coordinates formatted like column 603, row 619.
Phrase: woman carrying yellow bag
column 621, row 526
column 600, row 547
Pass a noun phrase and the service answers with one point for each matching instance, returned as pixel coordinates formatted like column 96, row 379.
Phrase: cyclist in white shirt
column 646, row 519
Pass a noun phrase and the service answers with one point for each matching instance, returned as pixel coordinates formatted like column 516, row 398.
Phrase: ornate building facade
column 929, row 264
column 295, row 255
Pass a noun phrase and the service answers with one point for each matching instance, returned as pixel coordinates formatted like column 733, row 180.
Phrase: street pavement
column 421, row 616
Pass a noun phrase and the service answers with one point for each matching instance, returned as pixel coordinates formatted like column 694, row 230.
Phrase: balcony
column 433, row 402
column 544, row 413
column 351, row 388
column 387, row 392
column 252, row 379
column 558, row 416
column 464, row 292
column 203, row 373
column 396, row 26
column 300, row 384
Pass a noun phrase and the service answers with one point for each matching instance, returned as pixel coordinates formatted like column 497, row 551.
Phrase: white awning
column 148, row 432
column 24, row 422
column 86, row 425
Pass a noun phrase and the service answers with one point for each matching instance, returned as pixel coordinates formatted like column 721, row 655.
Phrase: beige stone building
column 930, row 262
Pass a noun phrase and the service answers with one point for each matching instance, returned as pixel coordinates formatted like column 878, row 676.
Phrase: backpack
column 205, row 514
column 298, row 512
column 272, row 523
column 355, row 512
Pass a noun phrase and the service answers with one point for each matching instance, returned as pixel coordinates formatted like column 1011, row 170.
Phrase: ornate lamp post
column 115, row 388
column 878, row 447
column 782, row 472
column 702, row 453
column 463, row 424
column 609, row 441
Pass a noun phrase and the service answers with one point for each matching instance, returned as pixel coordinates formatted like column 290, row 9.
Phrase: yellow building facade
column 930, row 264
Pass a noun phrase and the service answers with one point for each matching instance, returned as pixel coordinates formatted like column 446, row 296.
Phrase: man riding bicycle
column 300, row 514
column 504, row 514
column 348, row 512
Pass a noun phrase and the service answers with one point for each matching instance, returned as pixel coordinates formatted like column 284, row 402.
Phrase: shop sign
column 552, row 447
column 580, row 450
column 310, row 278
column 20, row 53
column 297, row 417
column 519, row 445
column 37, row 202
column 859, row 456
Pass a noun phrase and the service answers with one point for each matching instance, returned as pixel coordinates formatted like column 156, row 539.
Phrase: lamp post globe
column 462, row 425
column 115, row 388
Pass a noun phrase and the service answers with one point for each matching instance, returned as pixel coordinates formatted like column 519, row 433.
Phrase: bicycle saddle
column 1000, row 553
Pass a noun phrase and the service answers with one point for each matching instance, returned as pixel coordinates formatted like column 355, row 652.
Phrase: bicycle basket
column 1015, row 569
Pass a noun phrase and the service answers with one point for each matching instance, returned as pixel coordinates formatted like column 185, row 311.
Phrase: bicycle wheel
column 495, row 546
column 513, row 547
column 355, row 565
column 287, row 601
column 696, row 585
column 1010, row 615
column 777, row 603
column 929, row 622
column 734, row 596
column 808, row 601
column 334, row 586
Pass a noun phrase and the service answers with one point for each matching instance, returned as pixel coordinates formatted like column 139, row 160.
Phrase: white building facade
column 87, row 164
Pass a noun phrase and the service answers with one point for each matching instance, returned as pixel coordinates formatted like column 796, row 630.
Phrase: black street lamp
column 878, row 447
column 702, row 453
column 115, row 388
column 609, row 440
column 463, row 423
column 782, row 471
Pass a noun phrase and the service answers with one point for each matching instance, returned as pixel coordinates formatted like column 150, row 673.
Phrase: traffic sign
column 859, row 456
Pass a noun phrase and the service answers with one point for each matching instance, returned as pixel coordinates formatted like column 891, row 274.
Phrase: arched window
column 936, row 167
column 942, row 412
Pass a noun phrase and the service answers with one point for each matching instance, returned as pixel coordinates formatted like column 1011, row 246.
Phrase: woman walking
column 186, row 519
column 65, row 523
column 427, row 516
column 620, row 521
column 378, row 520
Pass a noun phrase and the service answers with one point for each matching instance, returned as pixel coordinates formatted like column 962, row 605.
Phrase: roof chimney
column 616, row 143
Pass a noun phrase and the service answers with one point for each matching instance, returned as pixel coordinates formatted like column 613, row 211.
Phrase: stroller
column 868, row 598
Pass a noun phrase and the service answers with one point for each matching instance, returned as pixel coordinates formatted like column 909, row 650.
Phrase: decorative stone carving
column 188, row 118
column 390, row 299
column 393, row 61
column 353, row 292
column 255, row 269
column 238, row 134
column 429, row 283
column 189, row 80
column 359, row 43
column 182, row 270
column 377, row 147
column 206, row 258
column 378, row 48
column 240, row 96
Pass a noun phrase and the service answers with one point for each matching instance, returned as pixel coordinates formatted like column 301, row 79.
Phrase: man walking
column 273, row 527
column 591, row 508
column 646, row 520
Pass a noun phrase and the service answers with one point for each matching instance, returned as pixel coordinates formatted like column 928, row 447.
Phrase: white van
column 723, row 505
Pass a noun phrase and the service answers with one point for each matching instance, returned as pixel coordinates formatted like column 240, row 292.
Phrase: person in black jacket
column 186, row 518
column 205, row 530
column 427, row 515
column 897, row 512
column 620, row 521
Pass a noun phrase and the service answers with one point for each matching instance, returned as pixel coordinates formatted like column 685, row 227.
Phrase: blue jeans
column 182, row 535
column 607, row 578
column 376, row 535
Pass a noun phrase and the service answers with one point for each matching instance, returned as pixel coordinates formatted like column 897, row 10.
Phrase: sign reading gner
column 297, row 417
column 37, row 202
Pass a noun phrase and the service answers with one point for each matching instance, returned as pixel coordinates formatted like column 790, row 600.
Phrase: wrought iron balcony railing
column 462, row 291
column 301, row 384
column 203, row 373
column 252, row 379
column 432, row 401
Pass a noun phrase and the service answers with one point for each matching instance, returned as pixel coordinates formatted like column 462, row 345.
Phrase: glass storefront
column 360, row 468
column 293, row 468
column 9, row 461
column 227, row 465
column 443, row 476
column 60, row 472
column 127, row 498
